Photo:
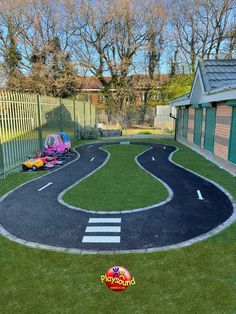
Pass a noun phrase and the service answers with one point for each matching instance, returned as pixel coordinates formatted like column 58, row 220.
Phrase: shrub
column 87, row 133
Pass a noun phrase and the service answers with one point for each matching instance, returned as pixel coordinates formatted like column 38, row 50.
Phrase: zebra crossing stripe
column 103, row 229
column 101, row 239
column 104, row 220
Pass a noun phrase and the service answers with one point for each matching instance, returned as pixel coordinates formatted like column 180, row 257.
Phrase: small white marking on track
column 45, row 186
column 199, row 195
column 153, row 159
column 92, row 159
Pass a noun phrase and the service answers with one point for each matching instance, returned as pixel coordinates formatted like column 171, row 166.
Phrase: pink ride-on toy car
column 66, row 140
column 54, row 144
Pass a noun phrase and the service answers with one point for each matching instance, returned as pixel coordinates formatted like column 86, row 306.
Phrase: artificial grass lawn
column 120, row 185
column 15, row 179
column 143, row 131
column 197, row 279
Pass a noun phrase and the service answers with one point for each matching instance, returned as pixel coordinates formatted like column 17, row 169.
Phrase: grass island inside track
column 119, row 185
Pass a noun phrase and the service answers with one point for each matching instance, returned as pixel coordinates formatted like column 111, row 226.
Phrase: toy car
column 32, row 163
column 49, row 161
column 66, row 140
column 54, row 144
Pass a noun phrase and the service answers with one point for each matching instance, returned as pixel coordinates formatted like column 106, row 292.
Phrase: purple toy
column 49, row 165
column 66, row 140
column 54, row 144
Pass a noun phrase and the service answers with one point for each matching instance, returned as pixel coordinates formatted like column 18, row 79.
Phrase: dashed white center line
column 153, row 158
column 101, row 239
column 45, row 186
column 199, row 195
column 92, row 159
column 103, row 229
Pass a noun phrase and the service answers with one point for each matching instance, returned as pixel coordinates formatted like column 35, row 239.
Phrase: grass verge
column 196, row 279
column 16, row 178
column 120, row 185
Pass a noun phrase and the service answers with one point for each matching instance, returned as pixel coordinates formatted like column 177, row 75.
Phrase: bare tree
column 43, row 32
column 202, row 28
column 231, row 51
column 221, row 13
column 110, row 35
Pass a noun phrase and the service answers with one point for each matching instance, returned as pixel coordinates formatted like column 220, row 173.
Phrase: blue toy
column 66, row 140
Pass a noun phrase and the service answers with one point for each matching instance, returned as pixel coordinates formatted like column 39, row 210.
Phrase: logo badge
column 117, row 278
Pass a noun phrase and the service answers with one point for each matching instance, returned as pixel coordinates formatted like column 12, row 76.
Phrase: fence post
column 90, row 113
column 39, row 123
column 84, row 115
column 61, row 122
column 2, row 166
column 75, row 128
column 96, row 117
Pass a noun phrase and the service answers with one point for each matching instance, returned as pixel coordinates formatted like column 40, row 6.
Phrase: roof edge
column 176, row 99
column 221, row 89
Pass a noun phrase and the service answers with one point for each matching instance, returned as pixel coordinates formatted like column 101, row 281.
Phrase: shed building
column 206, row 117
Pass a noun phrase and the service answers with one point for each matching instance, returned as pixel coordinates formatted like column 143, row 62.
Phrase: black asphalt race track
column 38, row 216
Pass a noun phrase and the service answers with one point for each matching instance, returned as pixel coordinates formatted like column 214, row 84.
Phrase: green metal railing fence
column 26, row 119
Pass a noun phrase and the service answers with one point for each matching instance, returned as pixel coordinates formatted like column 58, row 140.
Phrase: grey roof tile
column 218, row 73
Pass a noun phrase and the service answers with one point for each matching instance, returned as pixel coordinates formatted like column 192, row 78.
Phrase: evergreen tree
column 12, row 58
column 175, row 86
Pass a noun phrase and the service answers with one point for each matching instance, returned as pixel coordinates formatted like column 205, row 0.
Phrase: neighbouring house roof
column 215, row 80
column 139, row 81
column 91, row 83
column 142, row 80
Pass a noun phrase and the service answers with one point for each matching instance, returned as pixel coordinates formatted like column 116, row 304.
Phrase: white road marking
column 92, row 159
column 101, row 239
column 164, row 147
column 199, row 195
column 90, row 146
column 153, row 158
column 104, row 220
column 103, row 229
column 106, row 229
column 45, row 186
